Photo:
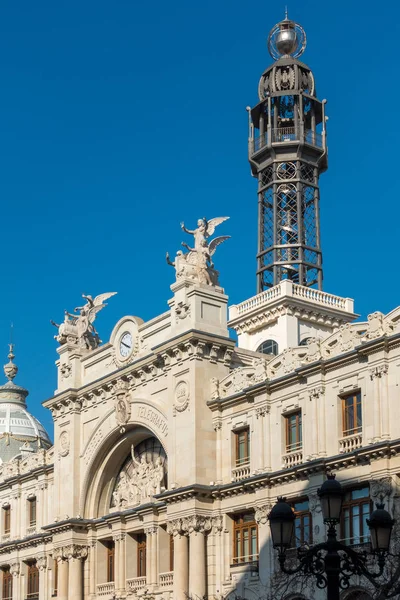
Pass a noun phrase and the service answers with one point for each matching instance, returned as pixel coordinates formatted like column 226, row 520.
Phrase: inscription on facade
column 153, row 416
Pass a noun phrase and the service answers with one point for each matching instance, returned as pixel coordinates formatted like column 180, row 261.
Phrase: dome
column 20, row 432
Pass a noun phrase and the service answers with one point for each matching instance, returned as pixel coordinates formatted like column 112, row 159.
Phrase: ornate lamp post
column 331, row 562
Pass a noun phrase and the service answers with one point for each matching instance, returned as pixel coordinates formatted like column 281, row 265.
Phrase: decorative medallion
column 64, row 443
column 181, row 396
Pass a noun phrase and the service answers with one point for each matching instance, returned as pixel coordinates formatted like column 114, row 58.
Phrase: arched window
column 305, row 341
column 268, row 347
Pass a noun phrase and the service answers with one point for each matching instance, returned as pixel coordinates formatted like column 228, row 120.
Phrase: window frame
column 240, row 526
column 141, row 555
column 245, row 461
column 301, row 514
column 274, row 347
column 32, row 511
column 298, row 444
column 6, row 519
column 32, row 581
column 357, row 402
column 110, row 561
column 364, row 535
column 7, row 584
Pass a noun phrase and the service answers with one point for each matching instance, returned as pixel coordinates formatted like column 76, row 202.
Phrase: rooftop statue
column 78, row 328
column 197, row 263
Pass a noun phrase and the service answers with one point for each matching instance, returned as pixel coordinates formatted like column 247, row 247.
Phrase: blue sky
column 120, row 119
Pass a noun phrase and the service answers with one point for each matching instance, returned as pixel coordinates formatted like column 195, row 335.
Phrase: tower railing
column 283, row 135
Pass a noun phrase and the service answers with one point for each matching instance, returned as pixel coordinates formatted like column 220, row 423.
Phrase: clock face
column 125, row 344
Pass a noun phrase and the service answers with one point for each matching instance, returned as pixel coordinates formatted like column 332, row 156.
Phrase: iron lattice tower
column 287, row 153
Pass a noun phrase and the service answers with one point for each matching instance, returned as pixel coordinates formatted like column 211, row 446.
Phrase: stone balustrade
column 350, row 443
column 241, row 472
column 136, row 584
column 291, row 459
column 294, row 290
column 105, row 589
column 167, row 579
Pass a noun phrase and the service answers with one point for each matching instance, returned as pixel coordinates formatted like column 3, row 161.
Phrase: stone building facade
column 172, row 441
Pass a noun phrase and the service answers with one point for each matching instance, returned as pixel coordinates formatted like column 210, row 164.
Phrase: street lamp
column 331, row 562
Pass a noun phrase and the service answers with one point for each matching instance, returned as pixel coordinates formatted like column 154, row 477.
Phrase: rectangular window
column 141, row 555
column 356, row 511
column 351, row 414
column 32, row 512
column 293, row 432
column 7, row 586
column 303, row 524
column 33, row 582
column 6, row 519
column 245, row 539
column 242, row 443
column 110, row 561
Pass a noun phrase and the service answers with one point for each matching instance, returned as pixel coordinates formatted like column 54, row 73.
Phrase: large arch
column 112, row 450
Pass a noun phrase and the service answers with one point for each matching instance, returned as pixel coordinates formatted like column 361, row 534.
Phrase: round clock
column 125, row 344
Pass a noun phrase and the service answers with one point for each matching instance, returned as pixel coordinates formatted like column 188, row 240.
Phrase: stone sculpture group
column 197, row 263
column 143, row 486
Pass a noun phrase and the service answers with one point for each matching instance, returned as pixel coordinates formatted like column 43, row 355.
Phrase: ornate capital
column 197, row 523
column 380, row 489
column 15, row 568
column 41, row 562
column 217, row 425
column 151, row 530
column 119, row 537
column 174, row 527
column 262, row 512
column 75, row 551
column 378, row 371
column 314, row 503
column 261, row 411
column 316, row 392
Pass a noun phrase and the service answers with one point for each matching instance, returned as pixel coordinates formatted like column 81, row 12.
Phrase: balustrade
column 350, row 443
column 167, row 579
column 105, row 589
column 136, row 584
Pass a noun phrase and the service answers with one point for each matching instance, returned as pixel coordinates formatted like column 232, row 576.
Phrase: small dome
column 20, row 432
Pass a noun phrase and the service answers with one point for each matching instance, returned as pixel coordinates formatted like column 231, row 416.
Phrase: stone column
column 218, row 430
column 41, row 563
column 152, row 555
column 181, row 559
column 261, row 412
column 62, row 584
column 75, row 556
column 264, row 543
column 92, row 570
column 15, row 572
column 197, row 526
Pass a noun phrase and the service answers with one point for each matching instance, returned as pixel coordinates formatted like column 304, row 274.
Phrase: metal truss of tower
column 287, row 153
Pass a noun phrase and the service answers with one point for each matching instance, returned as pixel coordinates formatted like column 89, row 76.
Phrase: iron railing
column 281, row 135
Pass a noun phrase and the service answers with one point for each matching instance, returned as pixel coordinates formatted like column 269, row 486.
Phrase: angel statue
column 78, row 328
column 197, row 264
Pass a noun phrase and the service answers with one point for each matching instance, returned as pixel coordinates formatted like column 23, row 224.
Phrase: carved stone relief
column 64, row 443
column 182, row 395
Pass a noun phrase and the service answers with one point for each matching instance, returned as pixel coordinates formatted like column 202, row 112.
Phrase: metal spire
column 10, row 369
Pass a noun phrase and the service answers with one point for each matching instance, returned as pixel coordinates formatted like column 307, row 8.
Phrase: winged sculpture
column 197, row 263
column 78, row 327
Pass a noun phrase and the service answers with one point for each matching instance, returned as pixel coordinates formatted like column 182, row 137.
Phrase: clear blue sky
column 120, row 119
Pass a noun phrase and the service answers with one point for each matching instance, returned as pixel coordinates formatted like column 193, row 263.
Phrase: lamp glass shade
column 331, row 496
column 380, row 526
column 281, row 520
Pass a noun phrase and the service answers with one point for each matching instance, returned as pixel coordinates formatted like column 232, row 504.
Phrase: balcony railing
column 136, row 584
column 291, row 459
column 350, row 443
column 167, row 579
column 105, row 589
column 281, row 135
column 241, row 472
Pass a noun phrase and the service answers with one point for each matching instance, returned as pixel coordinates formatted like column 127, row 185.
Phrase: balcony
column 242, row 469
column 283, row 135
column 167, row 580
column 106, row 589
column 350, row 443
column 136, row 584
column 293, row 456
